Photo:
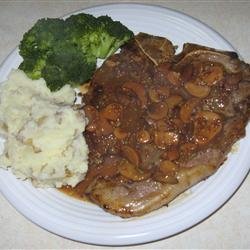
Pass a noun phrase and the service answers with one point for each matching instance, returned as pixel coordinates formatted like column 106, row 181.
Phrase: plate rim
column 140, row 242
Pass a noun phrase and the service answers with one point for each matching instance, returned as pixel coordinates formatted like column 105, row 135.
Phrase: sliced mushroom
column 120, row 133
column 206, row 126
column 163, row 139
column 172, row 180
column 174, row 77
column 187, row 109
column 171, row 154
column 143, row 136
column 139, row 90
column 196, row 90
column 112, row 111
column 102, row 127
column 167, row 167
column 154, row 95
column 131, row 172
column 161, row 125
column 131, row 155
column 173, row 101
column 214, row 74
column 166, row 173
column 158, row 93
column 157, row 111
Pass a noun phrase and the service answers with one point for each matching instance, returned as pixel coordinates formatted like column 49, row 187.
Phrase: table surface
column 229, row 227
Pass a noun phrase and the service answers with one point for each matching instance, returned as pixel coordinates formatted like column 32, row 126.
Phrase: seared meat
column 160, row 123
column 137, row 198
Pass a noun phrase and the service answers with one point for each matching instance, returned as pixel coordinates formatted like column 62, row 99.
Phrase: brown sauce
column 148, row 121
column 73, row 193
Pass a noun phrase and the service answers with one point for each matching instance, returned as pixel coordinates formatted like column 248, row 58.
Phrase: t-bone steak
column 160, row 122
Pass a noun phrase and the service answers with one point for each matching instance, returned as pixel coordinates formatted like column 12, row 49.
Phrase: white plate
column 86, row 222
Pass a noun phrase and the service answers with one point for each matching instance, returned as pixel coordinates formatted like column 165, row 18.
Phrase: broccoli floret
column 37, row 43
column 112, row 34
column 100, row 36
column 78, row 27
column 80, row 23
column 67, row 65
column 33, row 66
column 42, row 37
column 66, row 51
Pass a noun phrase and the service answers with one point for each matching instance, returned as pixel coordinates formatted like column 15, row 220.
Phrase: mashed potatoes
column 43, row 133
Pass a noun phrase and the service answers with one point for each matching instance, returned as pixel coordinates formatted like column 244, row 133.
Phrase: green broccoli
column 78, row 27
column 42, row 36
column 37, row 44
column 66, row 51
column 102, row 37
column 112, row 34
column 67, row 65
column 33, row 66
